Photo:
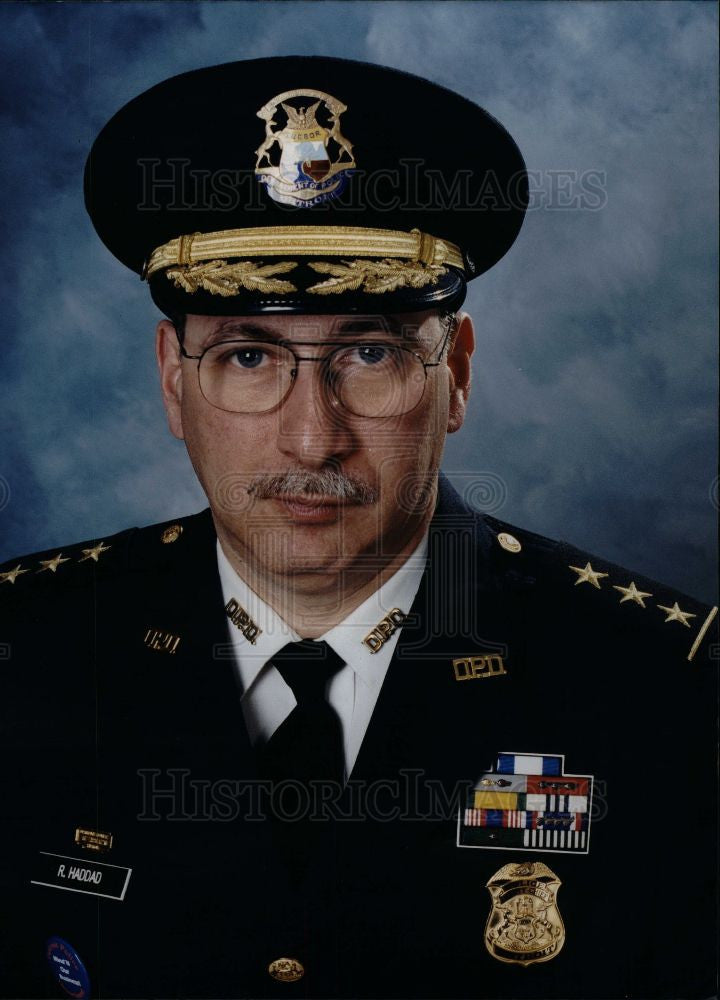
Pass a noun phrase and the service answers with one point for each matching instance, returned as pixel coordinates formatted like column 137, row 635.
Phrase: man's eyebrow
column 352, row 325
column 385, row 324
column 238, row 328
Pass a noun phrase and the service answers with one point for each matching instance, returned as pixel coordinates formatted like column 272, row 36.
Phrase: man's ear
column 462, row 345
column 169, row 359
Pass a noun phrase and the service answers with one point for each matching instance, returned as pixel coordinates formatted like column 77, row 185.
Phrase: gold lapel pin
column 377, row 638
column 468, row 668
column 163, row 642
column 242, row 620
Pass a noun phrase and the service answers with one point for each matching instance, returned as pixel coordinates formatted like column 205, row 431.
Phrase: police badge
column 524, row 925
column 315, row 158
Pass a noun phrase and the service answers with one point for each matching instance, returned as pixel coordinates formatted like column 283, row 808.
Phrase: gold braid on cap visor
column 203, row 260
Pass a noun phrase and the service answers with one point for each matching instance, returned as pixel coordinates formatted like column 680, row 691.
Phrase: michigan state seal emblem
column 524, row 925
column 307, row 159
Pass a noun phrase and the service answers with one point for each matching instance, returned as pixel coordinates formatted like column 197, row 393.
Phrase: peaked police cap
column 305, row 184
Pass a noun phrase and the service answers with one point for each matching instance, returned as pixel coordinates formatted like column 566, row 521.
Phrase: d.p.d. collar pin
column 377, row 638
column 242, row 620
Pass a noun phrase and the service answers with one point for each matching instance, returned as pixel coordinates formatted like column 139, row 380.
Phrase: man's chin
column 297, row 550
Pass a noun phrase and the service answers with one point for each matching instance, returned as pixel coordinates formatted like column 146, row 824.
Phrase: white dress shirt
column 353, row 691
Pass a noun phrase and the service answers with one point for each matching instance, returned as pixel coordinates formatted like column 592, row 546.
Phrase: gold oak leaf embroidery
column 375, row 277
column 220, row 278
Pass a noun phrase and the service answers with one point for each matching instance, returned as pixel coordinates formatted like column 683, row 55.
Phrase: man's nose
column 313, row 429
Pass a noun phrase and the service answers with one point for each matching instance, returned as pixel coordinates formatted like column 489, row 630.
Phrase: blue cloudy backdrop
column 593, row 417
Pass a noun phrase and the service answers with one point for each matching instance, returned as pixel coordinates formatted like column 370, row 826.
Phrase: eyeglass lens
column 370, row 379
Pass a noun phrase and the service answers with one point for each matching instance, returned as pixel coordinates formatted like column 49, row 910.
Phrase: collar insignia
column 307, row 160
column 242, row 620
column 376, row 639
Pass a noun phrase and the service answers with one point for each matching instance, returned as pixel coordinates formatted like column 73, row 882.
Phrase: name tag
column 58, row 871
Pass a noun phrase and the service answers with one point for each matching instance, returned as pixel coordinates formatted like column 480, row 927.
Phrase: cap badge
column 304, row 162
column 524, row 925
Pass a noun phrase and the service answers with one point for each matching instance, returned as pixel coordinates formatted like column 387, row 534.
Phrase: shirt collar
column 346, row 638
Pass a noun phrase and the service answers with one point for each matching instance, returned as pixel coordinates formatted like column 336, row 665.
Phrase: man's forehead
column 406, row 326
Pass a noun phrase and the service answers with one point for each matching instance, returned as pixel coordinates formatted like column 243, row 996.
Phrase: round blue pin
column 67, row 968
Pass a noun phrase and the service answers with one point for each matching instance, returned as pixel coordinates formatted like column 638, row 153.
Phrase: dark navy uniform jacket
column 99, row 717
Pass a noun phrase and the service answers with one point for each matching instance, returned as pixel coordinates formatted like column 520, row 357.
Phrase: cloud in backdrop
column 593, row 411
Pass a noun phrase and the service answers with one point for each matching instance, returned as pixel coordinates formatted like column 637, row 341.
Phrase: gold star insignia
column 587, row 575
column 94, row 552
column 52, row 564
column 676, row 615
column 631, row 593
column 12, row 575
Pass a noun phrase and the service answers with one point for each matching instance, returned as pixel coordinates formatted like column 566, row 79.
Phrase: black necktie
column 308, row 744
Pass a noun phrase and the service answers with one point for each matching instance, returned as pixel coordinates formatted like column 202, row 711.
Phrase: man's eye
column 245, row 357
column 371, row 354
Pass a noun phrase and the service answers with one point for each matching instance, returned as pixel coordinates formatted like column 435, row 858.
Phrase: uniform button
column 509, row 542
column 171, row 533
column 287, row 970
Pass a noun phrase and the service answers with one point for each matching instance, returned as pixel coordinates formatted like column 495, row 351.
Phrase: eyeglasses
column 370, row 378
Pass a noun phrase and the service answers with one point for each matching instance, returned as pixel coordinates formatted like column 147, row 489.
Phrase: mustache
column 329, row 483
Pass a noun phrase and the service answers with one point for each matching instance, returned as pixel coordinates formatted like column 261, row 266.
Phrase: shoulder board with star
column 69, row 564
column 134, row 550
column 589, row 582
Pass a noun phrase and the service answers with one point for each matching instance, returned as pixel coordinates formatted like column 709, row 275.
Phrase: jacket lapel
column 161, row 710
column 466, row 606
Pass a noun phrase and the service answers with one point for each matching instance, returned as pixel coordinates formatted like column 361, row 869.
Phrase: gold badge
column 524, row 925
column 287, row 970
column 242, row 620
column 376, row 639
column 307, row 160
